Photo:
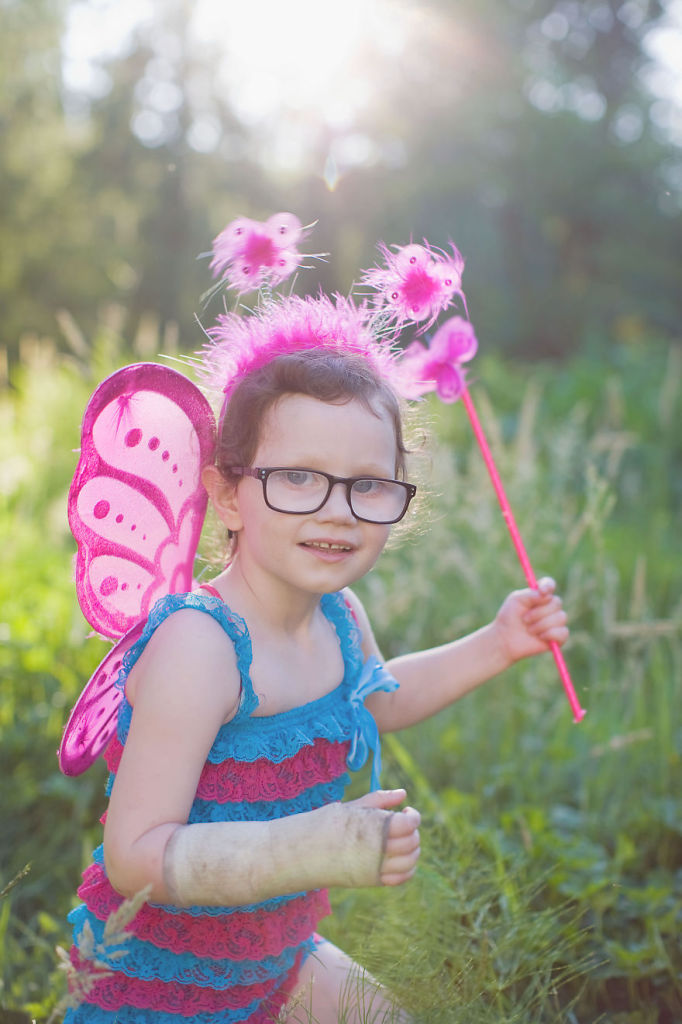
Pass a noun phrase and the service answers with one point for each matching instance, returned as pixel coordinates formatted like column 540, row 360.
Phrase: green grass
column 551, row 879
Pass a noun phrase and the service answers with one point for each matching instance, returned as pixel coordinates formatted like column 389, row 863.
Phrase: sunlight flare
column 303, row 56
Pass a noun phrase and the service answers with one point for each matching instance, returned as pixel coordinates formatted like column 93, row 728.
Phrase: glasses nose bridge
column 339, row 481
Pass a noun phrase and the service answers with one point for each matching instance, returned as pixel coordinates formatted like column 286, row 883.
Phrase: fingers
column 541, row 613
column 540, row 599
column 540, row 596
column 547, row 620
column 545, row 610
column 403, row 825
column 542, row 607
column 382, row 798
column 546, row 585
column 553, row 634
column 402, row 844
column 401, row 853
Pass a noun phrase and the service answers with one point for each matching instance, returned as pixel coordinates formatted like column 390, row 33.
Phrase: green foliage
column 48, row 820
column 551, row 882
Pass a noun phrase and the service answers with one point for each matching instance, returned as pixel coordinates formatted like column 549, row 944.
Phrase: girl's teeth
column 329, row 547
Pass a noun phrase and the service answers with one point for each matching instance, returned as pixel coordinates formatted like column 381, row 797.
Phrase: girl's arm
column 183, row 688
column 527, row 622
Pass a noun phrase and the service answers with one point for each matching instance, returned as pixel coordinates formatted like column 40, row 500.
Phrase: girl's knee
column 333, row 989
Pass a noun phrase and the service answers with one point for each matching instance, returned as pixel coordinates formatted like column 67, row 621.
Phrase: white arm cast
column 241, row 862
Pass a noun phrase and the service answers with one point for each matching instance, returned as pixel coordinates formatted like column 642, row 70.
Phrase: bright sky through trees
column 291, row 69
column 301, row 54
column 270, row 56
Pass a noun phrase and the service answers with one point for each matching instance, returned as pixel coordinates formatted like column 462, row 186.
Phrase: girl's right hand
column 401, row 848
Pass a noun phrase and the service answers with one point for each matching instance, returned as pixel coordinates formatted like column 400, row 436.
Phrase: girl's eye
column 368, row 487
column 298, row 477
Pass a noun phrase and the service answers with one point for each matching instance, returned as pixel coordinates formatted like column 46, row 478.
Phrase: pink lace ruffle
column 241, row 935
column 229, row 782
column 235, row 781
column 117, row 990
column 112, row 755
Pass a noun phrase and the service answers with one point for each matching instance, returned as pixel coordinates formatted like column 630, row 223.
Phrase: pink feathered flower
column 416, row 283
column 247, row 252
column 438, row 366
column 290, row 324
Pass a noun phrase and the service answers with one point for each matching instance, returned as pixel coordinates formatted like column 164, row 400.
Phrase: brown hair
column 328, row 376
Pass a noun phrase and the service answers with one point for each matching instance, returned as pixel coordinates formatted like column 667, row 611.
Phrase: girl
column 246, row 701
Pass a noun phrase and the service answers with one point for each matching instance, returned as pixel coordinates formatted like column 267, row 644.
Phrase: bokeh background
column 544, row 137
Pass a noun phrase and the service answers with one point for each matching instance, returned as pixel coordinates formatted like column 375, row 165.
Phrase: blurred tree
column 526, row 134
column 105, row 202
column 153, row 189
column 36, row 164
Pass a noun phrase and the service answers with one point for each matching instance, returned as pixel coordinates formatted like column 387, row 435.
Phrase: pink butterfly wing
column 92, row 722
column 136, row 508
column 147, row 433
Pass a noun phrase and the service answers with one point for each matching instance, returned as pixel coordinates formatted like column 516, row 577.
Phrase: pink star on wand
column 437, row 367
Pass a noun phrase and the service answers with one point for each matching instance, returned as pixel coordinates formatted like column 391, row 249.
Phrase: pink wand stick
column 578, row 712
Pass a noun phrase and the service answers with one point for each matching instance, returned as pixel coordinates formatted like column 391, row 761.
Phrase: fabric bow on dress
column 374, row 677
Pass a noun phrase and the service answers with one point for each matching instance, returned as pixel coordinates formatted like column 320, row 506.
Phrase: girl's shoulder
column 192, row 638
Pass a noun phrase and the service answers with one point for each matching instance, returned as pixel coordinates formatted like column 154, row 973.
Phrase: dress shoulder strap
column 211, row 604
column 341, row 615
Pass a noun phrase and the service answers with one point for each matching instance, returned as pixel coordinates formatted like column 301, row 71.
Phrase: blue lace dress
column 225, row 965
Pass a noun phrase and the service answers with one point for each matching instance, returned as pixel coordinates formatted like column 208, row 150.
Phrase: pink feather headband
column 416, row 283
column 288, row 324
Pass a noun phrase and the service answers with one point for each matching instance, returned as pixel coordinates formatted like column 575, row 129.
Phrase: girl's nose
column 336, row 506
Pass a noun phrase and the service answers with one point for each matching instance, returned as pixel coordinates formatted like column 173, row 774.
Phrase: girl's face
column 322, row 551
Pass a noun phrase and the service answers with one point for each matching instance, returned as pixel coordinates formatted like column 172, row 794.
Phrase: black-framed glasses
column 300, row 492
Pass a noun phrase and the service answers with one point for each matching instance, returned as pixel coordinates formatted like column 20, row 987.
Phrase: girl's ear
column 223, row 495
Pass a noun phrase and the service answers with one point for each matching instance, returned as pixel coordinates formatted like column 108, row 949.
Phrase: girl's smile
column 328, row 550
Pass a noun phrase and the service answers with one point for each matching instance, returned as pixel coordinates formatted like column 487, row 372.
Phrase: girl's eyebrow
column 316, row 466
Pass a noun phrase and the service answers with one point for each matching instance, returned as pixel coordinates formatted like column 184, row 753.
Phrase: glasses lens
column 379, row 501
column 295, row 490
